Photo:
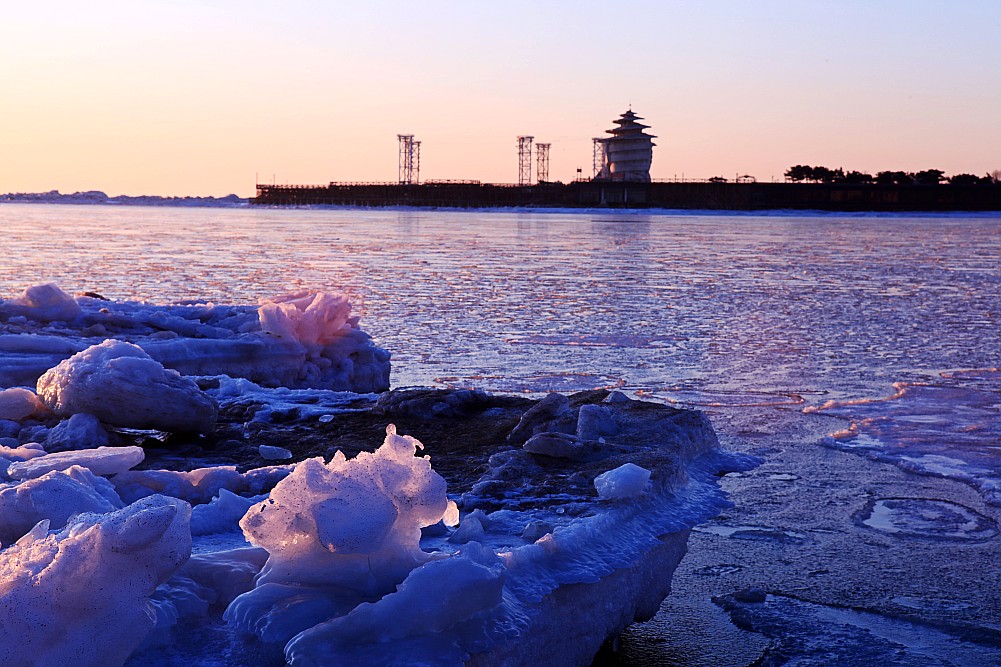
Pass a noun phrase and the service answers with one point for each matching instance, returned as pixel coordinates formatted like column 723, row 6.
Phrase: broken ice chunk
column 351, row 525
column 81, row 431
column 44, row 303
column 626, row 481
column 18, row 403
column 314, row 319
column 100, row 461
column 594, row 421
column 222, row 514
column 122, row 385
column 55, row 496
column 273, row 453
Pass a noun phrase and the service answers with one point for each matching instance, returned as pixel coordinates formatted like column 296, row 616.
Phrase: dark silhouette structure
column 716, row 195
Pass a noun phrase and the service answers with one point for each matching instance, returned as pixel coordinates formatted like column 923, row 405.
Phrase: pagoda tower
column 628, row 152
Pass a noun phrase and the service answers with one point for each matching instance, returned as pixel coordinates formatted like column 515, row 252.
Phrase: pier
column 712, row 195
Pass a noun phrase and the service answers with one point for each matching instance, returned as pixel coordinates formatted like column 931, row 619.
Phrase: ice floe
column 946, row 429
column 54, row 497
column 927, row 518
column 17, row 403
column 303, row 340
column 806, row 633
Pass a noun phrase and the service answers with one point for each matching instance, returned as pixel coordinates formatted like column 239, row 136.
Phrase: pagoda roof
column 634, row 130
column 635, row 136
column 627, row 123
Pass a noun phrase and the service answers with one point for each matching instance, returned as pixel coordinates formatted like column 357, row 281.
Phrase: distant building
column 628, row 152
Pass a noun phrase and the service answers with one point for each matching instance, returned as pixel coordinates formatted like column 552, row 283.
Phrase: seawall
column 674, row 195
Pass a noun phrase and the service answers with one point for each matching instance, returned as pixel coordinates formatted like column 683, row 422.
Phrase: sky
column 199, row 97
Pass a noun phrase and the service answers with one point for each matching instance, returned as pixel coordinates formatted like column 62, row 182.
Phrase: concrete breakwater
column 675, row 195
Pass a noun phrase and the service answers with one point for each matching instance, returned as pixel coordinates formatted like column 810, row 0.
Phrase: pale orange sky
column 192, row 97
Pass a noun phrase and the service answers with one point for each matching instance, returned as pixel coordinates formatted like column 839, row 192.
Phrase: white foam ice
column 353, row 526
column 81, row 596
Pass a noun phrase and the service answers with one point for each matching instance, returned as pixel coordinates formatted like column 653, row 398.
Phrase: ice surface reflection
column 846, row 305
column 701, row 310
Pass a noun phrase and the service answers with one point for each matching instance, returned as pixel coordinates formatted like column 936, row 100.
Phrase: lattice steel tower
column 542, row 162
column 598, row 156
column 525, row 160
column 415, row 161
column 410, row 159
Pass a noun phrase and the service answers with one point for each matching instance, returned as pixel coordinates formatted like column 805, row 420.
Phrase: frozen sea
column 858, row 355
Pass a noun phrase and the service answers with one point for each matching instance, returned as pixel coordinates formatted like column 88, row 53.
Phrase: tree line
column 802, row 172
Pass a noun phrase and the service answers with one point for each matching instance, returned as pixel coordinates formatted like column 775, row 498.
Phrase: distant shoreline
column 96, row 197
column 233, row 201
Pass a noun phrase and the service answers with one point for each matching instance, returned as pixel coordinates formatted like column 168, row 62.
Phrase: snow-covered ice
column 44, row 303
column 81, row 431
